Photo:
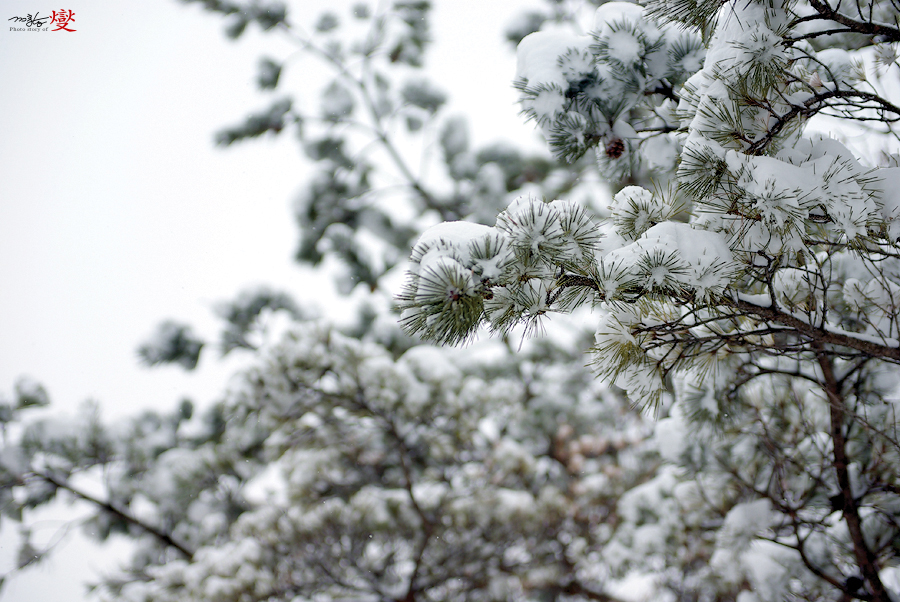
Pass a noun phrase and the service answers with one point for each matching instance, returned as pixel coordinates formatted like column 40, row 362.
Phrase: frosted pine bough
column 750, row 246
column 760, row 287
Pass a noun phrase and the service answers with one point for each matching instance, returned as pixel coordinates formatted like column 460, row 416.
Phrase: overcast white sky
column 116, row 210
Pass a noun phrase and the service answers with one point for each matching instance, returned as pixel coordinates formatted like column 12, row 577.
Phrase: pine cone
column 615, row 148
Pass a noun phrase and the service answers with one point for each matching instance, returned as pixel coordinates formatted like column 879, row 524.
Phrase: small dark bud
column 615, row 148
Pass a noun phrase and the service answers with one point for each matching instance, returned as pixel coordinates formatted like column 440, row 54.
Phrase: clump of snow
column 671, row 435
column 537, row 56
column 611, row 13
column 625, row 47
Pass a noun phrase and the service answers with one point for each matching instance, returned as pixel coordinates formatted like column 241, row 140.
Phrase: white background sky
column 117, row 211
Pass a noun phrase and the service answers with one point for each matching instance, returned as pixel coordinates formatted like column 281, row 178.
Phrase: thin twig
column 159, row 534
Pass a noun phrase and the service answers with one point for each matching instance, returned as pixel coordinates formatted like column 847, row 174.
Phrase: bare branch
column 887, row 32
column 865, row 558
column 162, row 536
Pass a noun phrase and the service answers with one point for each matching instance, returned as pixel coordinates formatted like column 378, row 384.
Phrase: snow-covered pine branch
column 776, row 213
column 761, row 287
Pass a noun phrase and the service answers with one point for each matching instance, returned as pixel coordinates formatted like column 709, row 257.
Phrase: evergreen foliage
column 750, row 300
column 172, row 343
column 741, row 284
